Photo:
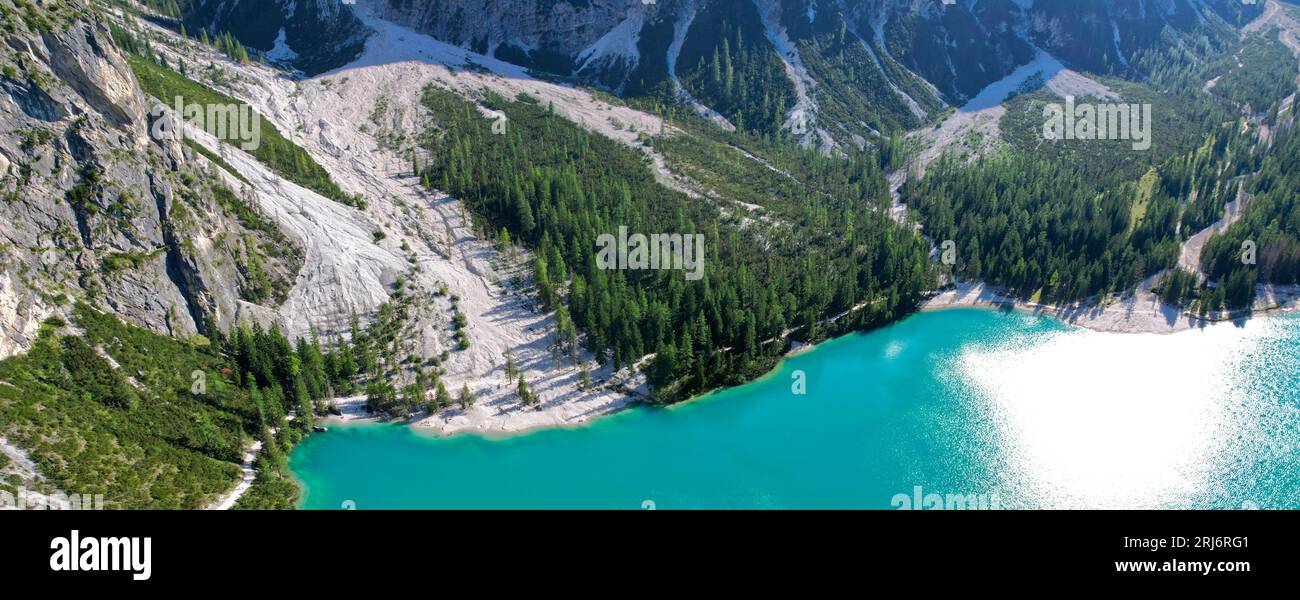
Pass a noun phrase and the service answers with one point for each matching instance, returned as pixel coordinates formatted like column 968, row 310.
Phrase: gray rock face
column 561, row 27
column 92, row 209
column 84, row 58
column 312, row 36
column 923, row 54
column 1095, row 34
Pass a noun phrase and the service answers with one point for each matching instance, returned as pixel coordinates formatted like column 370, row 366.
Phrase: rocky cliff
column 312, row 36
column 94, row 207
column 827, row 71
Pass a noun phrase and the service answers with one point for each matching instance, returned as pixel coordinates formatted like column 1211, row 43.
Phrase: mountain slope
column 95, row 206
column 312, row 36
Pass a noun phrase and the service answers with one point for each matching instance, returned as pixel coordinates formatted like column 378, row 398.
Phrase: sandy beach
column 501, row 413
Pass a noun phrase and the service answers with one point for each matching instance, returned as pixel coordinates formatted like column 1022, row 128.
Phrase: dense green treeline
column 369, row 360
column 1255, row 76
column 727, row 64
column 1209, row 176
column 282, row 379
column 1251, row 73
column 1178, row 125
column 152, row 421
column 1199, row 146
column 555, row 187
column 774, row 179
column 1271, row 225
column 852, row 91
column 1067, row 220
column 1038, row 228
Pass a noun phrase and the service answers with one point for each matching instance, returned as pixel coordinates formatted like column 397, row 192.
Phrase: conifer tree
column 525, row 396
column 441, row 397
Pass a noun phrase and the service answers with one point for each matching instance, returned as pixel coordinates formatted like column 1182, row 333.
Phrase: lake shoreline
column 506, row 422
column 1139, row 312
column 922, row 402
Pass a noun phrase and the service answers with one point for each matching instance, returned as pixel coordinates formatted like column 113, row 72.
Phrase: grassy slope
column 275, row 151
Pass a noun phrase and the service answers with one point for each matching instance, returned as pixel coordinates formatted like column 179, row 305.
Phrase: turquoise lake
column 1015, row 409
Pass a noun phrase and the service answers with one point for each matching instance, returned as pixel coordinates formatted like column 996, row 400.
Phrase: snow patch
column 281, row 52
column 620, row 42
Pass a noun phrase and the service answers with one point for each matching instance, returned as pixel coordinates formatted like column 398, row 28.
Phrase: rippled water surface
column 1013, row 408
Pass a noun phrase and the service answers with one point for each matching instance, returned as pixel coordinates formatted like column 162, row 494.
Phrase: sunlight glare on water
column 1095, row 420
column 998, row 404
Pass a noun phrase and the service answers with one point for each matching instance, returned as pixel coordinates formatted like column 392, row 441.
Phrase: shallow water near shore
column 1009, row 407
